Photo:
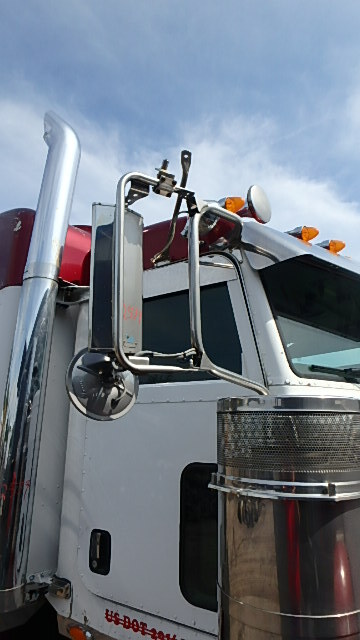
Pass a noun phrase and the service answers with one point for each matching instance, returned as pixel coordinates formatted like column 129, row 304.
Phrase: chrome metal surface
column 97, row 387
column 276, row 246
column 258, row 204
column 119, row 268
column 240, row 620
column 281, row 489
column 288, row 480
column 289, row 403
column 194, row 298
column 194, row 289
column 14, row 611
column 55, row 199
column 283, row 444
column 12, row 599
column 22, row 411
column 119, row 277
column 288, row 568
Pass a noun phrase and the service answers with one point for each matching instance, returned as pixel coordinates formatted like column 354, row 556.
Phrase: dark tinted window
column 198, row 536
column 166, row 329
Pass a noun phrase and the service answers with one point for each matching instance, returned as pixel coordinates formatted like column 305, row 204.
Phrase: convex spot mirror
column 98, row 388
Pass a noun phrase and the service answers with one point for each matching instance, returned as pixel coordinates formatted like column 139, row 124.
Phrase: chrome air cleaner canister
column 289, row 517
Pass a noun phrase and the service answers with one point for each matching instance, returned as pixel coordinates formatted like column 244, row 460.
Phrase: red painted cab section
column 75, row 264
column 15, row 234
column 155, row 238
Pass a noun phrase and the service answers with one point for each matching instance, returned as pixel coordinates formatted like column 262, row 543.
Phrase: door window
column 166, row 329
column 198, row 536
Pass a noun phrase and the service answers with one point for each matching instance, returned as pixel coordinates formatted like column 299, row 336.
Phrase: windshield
column 316, row 307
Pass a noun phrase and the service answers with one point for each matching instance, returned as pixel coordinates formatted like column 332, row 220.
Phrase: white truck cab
column 180, row 443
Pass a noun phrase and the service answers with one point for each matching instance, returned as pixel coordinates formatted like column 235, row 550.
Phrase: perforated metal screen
column 289, row 441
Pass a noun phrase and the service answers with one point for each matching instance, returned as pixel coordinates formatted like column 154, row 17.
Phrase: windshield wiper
column 349, row 374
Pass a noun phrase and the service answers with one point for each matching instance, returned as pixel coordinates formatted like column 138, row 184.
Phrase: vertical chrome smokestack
column 22, row 412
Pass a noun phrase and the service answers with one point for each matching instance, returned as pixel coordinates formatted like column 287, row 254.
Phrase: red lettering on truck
column 137, row 626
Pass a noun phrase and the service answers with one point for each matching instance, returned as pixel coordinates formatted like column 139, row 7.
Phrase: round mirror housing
column 98, row 388
column 258, row 204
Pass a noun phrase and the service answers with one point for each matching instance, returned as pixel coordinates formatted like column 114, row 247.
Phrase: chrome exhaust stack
column 23, row 404
column 289, row 517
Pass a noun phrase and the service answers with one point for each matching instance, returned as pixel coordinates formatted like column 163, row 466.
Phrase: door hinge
column 60, row 587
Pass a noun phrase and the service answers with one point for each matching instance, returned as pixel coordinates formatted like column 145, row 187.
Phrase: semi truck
column 180, row 426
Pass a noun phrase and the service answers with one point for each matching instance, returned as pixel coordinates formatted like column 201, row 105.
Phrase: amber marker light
column 334, row 246
column 234, row 204
column 256, row 205
column 304, row 233
column 78, row 633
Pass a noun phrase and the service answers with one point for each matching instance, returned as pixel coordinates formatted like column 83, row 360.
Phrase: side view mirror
column 102, row 380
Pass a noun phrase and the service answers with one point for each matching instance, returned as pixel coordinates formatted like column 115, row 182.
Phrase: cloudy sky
column 260, row 91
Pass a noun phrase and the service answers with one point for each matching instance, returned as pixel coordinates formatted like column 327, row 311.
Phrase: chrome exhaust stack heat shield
column 21, row 420
column 289, row 518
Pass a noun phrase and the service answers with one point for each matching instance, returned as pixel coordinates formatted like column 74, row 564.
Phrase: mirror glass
column 98, row 388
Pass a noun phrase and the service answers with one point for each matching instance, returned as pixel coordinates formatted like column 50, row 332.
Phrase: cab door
column 145, row 475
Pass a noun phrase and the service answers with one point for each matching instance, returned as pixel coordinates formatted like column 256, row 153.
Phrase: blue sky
column 260, row 91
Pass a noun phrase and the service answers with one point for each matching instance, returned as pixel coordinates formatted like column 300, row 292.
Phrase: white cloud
column 23, row 154
column 227, row 157
column 348, row 132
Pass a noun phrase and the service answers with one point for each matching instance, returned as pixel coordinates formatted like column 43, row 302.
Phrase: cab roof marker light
column 334, row 246
column 304, row 233
column 234, row 204
column 256, row 205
